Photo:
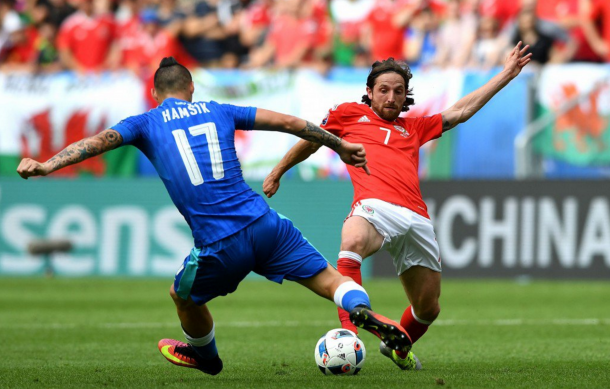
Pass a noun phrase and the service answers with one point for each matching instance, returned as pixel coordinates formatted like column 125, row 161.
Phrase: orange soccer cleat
column 390, row 332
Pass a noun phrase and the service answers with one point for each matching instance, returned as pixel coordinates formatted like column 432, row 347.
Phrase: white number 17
column 387, row 137
column 209, row 130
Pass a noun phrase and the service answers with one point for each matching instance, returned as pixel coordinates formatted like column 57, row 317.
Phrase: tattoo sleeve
column 86, row 148
column 315, row 134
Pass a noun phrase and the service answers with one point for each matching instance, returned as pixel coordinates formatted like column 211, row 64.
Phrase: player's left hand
column 353, row 154
column 517, row 59
column 30, row 168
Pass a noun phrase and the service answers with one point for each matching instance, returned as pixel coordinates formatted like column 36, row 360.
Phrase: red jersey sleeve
column 428, row 127
column 332, row 122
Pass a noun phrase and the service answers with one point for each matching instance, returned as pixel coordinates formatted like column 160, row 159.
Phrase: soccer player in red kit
column 388, row 210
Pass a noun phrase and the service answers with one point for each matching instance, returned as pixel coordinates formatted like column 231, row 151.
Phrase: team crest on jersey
column 404, row 133
column 368, row 209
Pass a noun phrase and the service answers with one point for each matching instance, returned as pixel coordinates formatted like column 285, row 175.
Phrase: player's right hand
column 30, row 168
column 353, row 154
column 271, row 185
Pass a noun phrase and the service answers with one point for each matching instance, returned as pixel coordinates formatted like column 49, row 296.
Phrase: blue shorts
column 271, row 246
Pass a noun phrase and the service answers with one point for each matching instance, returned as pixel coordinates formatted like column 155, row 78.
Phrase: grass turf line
column 89, row 333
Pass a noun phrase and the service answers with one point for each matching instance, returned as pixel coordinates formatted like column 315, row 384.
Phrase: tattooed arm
column 75, row 153
column 352, row 154
column 273, row 121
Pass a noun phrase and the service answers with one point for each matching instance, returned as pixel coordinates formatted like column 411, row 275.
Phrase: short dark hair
column 390, row 66
column 171, row 76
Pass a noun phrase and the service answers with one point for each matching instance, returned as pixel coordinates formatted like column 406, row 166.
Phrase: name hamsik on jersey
column 392, row 150
column 192, row 146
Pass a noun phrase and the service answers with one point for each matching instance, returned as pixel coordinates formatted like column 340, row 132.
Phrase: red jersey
column 87, row 38
column 392, row 150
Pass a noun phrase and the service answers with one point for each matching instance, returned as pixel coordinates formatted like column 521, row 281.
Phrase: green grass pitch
column 90, row 333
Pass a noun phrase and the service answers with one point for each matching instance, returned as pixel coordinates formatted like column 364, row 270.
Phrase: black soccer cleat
column 182, row 354
column 390, row 332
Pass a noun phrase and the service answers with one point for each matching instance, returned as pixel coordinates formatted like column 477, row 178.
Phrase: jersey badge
column 404, row 133
column 363, row 119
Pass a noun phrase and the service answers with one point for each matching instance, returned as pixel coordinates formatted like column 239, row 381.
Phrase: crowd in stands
column 97, row 35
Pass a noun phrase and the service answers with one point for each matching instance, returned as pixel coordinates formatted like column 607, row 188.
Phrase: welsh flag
column 580, row 136
column 41, row 115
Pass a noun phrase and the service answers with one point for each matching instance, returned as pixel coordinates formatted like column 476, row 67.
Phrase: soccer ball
column 340, row 352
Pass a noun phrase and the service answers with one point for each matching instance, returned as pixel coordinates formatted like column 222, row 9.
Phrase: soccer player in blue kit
column 191, row 145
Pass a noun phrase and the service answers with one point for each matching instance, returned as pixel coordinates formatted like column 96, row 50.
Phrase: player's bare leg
column 423, row 288
column 359, row 239
column 353, row 298
column 198, row 326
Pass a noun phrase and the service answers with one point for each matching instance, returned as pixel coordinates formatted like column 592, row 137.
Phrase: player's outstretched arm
column 74, row 153
column 352, row 154
column 470, row 104
column 297, row 154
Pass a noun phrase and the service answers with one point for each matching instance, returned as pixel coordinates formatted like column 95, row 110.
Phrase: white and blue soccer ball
column 340, row 352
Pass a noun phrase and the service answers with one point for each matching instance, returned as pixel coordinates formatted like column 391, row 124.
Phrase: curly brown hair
column 387, row 66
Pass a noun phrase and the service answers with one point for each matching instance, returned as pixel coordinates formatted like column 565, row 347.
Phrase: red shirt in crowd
column 392, row 151
column 503, row 11
column 288, row 33
column 129, row 38
column 88, row 38
column 386, row 39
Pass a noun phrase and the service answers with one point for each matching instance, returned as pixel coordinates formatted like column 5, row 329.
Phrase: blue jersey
column 192, row 146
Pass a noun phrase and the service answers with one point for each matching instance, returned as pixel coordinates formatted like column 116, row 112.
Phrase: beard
column 387, row 114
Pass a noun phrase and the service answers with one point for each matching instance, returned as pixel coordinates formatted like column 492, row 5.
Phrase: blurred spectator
column 290, row 37
column 386, row 25
column 156, row 43
column 46, row 51
column 230, row 15
column 59, row 10
column 9, row 24
column 421, row 39
column 129, row 33
column 488, row 46
column 348, row 16
column 254, row 23
column 597, row 28
column 203, row 35
column 85, row 38
column 456, row 34
column 542, row 46
column 171, row 16
column 567, row 15
column 316, row 13
column 502, row 11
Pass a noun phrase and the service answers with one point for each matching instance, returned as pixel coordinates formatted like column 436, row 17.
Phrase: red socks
column 415, row 326
column 349, row 265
